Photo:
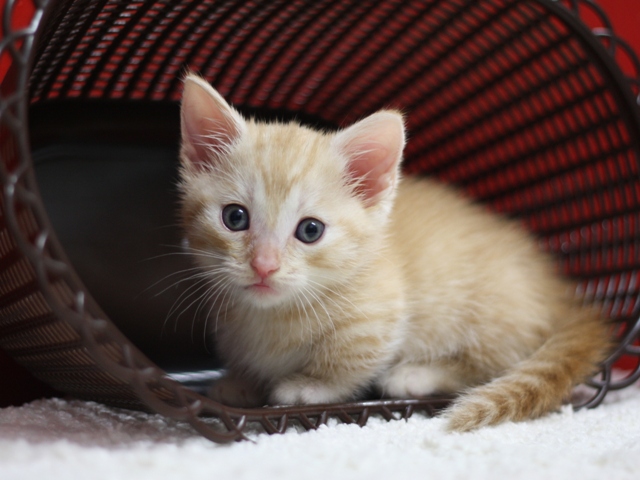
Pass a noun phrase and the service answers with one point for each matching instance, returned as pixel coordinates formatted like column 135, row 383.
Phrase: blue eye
column 235, row 217
column 309, row 230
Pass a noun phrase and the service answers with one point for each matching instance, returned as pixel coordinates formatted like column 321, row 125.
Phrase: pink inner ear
column 373, row 147
column 372, row 165
column 209, row 125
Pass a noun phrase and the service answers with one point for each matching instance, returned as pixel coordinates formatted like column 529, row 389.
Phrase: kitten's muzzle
column 266, row 261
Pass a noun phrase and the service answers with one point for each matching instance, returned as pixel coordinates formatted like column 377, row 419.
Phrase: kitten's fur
column 411, row 287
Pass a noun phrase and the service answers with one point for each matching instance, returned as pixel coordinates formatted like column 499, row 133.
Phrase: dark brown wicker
column 518, row 102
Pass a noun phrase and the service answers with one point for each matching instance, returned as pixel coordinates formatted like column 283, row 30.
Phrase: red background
column 17, row 384
column 624, row 16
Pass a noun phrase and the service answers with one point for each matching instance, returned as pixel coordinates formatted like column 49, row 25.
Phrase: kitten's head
column 279, row 213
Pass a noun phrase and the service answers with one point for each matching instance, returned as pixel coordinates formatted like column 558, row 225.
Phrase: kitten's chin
column 264, row 296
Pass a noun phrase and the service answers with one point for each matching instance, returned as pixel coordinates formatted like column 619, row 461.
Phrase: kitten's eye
column 235, row 217
column 309, row 230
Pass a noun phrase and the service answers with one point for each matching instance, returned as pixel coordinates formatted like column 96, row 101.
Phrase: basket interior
column 112, row 201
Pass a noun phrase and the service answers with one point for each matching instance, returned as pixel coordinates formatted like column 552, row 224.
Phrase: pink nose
column 265, row 263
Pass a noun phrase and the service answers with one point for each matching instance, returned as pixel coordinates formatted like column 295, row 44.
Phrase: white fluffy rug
column 72, row 440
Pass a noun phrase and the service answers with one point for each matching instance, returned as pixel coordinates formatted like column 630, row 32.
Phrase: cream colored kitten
column 329, row 275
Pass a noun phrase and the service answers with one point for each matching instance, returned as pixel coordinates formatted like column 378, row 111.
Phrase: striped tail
column 541, row 382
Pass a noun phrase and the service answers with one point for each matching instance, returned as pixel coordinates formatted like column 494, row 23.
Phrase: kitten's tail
column 541, row 382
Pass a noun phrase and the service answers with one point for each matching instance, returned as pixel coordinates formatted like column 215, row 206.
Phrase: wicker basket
column 518, row 102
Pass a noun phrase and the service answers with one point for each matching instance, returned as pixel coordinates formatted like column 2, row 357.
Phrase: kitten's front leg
column 335, row 373
column 412, row 380
column 303, row 390
column 361, row 345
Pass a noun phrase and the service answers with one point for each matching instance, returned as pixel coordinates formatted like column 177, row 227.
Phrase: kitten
column 329, row 274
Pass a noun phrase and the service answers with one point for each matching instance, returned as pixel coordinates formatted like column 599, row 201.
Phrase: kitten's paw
column 303, row 390
column 235, row 392
column 413, row 380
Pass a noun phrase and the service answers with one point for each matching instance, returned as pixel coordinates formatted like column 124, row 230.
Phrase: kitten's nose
column 266, row 262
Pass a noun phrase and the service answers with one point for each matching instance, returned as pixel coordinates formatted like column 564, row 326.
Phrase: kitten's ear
column 373, row 148
column 209, row 124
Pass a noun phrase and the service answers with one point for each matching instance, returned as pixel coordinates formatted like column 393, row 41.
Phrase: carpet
column 72, row 439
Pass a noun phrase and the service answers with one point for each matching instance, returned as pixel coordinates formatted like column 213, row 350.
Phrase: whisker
column 168, row 316
column 322, row 304
column 214, row 301
column 338, row 294
column 178, row 282
column 203, row 299
column 225, row 289
column 305, row 317
column 307, row 302
column 202, row 283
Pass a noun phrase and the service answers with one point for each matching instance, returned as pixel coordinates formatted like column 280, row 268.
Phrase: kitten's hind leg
column 411, row 380
column 236, row 391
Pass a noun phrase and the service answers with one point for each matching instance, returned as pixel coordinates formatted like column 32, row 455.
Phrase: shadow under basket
column 529, row 106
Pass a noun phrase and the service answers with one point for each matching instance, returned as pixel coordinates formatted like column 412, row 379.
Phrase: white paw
column 235, row 392
column 413, row 380
column 301, row 390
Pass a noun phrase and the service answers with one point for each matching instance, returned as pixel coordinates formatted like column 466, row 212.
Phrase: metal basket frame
column 57, row 292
